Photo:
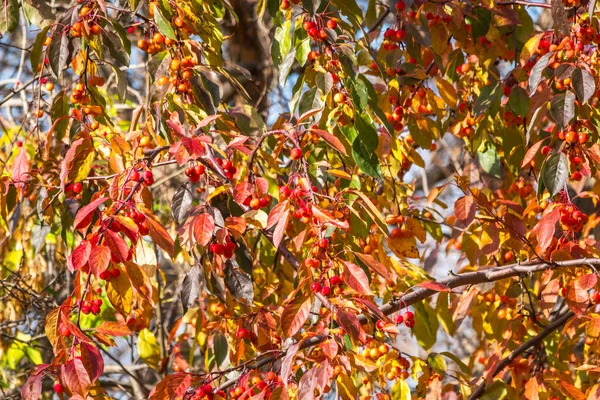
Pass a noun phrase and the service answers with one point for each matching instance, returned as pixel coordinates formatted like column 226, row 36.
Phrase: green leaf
column 562, row 108
column 487, row 98
column 115, row 47
column 148, row 348
column 349, row 8
column 121, row 82
column 286, row 66
column 163, row 24
column 310, row 100
column 367, row 161
column 583, row 84
column 535, row 76
column 359, row 93
column 426, row 325
column 519, row 101
column 555, row 172
column 364, row 146
column 282, row 43
column 58, row 52
column 437, row 362
column 9, row 15
column 35, row 57
column 422, row 137
column 59, row 111
column 489, row 159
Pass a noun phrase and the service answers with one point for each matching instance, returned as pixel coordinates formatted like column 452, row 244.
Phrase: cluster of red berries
column 316, row 30
column 571, row 218
column 206, row 391
column 110, row 274
column 522, row 188
column 226, row 250
column 325, row 288
column 318, row 253
column 228, row 168
column 256, row 385
column 140, row 220
column 257, row 202
column 147, row 177
column 92, row 306
column 73, row 189
column 395, row 117
column 194, row 173
column 392, row 37
column 408, row 318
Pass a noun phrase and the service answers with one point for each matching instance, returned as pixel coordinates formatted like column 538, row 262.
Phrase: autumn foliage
column 285, row 199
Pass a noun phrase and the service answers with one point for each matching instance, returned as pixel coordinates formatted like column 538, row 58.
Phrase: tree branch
column 534, row 341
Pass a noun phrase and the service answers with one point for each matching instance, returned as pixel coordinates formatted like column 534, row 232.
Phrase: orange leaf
column 331, row 140
column 204, row 225
column 99, row 259
column 113, row 329
column 242, row 191
column 530, row 155
column 294, row 315
column 464, row 209
column 577, row 297
column 375, row 265
column 435, row 286
column 171, row 387
column 160, row 235
column 356, row 278
column 351, row 325
column 235, row 225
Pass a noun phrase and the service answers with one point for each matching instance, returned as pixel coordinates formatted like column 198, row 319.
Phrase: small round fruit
column 77, row 188
column 64, row 331
column 339, row 98
column 546, row 150
column 316, row 287
column 323, row 243
column 58, row 388
column 148, row 177
column 331, row 24
column 296, row 153
column 380, row 324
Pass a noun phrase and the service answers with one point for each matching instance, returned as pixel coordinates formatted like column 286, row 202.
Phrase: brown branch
column 534, row 341
column 418, row 294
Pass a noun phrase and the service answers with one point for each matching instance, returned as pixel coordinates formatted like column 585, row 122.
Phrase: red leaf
column 160, row 235
column 375, row 265
column 32, row 389
column 85, row 211
column 276, row 213
column 588, row 281
column 530, row 155
column 288, row 360
column 435, row 286
column 327, row 219
column 351, row 325
column 204, row 225
column 330, row 348
column 99, row 259
column 242, row 191
column 172, row 387
column 545, row 229
column 92, row 360
column 113, row 329
column 194, row 147
column 464, row 209
column 280, row 227
column 294, row 315
column 80, row 256
column 549, row 296
column 208, row 120
column 117, row 244
column 577, row 297
column 20, row 168
column 331, row 140
column 356, row 278
column 75, row 376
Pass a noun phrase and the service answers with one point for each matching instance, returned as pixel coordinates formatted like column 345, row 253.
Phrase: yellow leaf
column 148, row 348
column 340, row 174
column 404, row 247
column 416, row 228
column 120, row 293
column 447, row 92
column 530, row 47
